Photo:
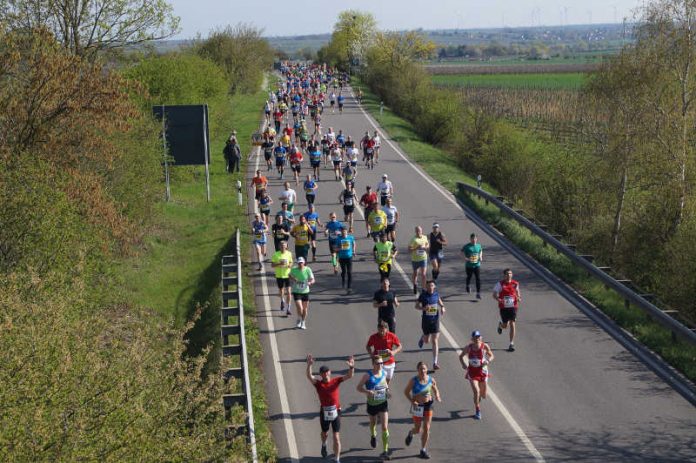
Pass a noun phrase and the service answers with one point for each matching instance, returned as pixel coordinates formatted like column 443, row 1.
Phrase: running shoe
column 299, row 323
column 420, row 343
column 436, row 367
column 288, row 313
column 373, row 442
column 478, row 295
column 477, row 415
column 468, row 290
column 500, row 328
column 409, row 438
column 303, row 325
column 349, row 291
column 424, row 454
column 324, row 452
column 415, row 289
column 511, row 348
column 385, row 456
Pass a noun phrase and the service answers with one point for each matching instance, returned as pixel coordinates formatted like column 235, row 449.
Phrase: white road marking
column 409, row 282
column 284, row 405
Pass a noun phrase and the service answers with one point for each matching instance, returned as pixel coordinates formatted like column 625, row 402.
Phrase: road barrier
column 621, row 287
column 233, row 309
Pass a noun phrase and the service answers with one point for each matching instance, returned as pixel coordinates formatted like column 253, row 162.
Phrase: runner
column 363, row 145
column 346, row 251
column 330, row 412
column 259, row 229
column 349, row 173
column 377, row 221
column 419, row 246
column 332, row 101
column 348, row 199
column 302, row 233
column 374, row 385
column 378, row 144
column 337, row 160
column 267, row 112
column 369, row 202
column 280, row 155
column 386, row 302
column 333, row 231
column 326, row 148
column 310, row 188
column 313, row 220
column 420, row 391
column 430, row 303
column 301, row 278
column 296, row 162
column 315, row 160
column 386, row 345
column 437, row 241
column 282, row 263
column 265, row 202
column 392, row 219
column 507, row 294
column 281, row 232
column 479, row 356
column 286, row 215
column 473, row 253
column 385, row 189
column 369, row 151
column 289, row 196
column 267, row 147
column 359, row 96
column 341, row 101
column 384, row 252
column 260, row 183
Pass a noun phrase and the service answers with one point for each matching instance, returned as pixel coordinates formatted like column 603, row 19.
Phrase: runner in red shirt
column 296, row 163
column 480, row 356
column 384, row 344
column 369, row 202
column 259, row 182
column 507, row 294
column 330, row 412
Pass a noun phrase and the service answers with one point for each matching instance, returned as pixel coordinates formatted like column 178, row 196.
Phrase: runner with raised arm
column 330, row 403
column 479, row 356
column 420, row 391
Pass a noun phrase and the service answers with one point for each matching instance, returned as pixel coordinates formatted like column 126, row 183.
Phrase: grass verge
column 444, row 168
column 179, row 269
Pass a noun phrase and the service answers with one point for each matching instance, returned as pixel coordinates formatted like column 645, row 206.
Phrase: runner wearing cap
column 420, row 391
column 330, row 411
column 436, row 253
column 386, row 345
column 375, row 387
column 430, row 304
column 479, row 356
column 385, row 189
column 419, row 246
column 473, row 253
column 301, row 278
column 392, row 219
column 507, row 294
column 282, row 263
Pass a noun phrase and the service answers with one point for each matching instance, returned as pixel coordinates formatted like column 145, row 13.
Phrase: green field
column 580, row 58
column 543, row 80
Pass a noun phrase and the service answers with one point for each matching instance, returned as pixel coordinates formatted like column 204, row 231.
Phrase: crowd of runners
column 293, row 133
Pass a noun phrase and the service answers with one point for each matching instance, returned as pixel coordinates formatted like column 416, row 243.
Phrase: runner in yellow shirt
column 377, row 220
column 419, row 246
column 303, row 234
column 282, row 263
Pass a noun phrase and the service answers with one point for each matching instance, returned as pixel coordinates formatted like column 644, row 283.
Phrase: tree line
column 625, row 194
column 87, row 375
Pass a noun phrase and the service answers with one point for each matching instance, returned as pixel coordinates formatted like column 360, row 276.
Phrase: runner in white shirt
column 331, row 135
column 378, row 143
column 288, row 195
column 392, row 219
column 385, row 190
column 337, row 160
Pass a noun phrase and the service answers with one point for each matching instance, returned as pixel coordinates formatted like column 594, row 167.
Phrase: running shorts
column 430, row 326
column 373, row 410
column 335, row 425
column 507, row 315
column 283, row 283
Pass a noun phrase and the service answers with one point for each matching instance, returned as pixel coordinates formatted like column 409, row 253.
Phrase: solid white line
column 284, row 404
column 494, row 398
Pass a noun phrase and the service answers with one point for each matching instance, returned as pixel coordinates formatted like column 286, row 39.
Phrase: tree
column 86, row 27
column 396, row 49
column 352, row 36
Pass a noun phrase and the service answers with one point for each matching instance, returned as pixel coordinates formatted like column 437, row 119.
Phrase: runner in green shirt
column 282, row 263
column 301, row 278
column 473, row 253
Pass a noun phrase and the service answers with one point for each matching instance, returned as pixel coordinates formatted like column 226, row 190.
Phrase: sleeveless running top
column 377, row 383
column 421, row 389
column 476, row 356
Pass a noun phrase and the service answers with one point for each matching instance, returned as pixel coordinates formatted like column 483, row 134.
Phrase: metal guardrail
column 233, row 308
column 629, row 295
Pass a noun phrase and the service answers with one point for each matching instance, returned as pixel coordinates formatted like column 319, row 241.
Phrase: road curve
column 569, row 393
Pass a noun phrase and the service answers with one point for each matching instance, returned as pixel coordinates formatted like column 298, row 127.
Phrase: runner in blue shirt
column 315, row 159
column 432, row 307
column 280, row 155
column 310, row 188
column 341, row 101
column 346, row 251
column 333, row 231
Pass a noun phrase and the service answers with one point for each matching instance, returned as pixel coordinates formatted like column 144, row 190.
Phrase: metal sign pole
column 205, row 147
column 168, row 192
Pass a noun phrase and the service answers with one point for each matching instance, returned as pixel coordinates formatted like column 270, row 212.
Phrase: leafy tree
column 352, row 36
column 85, row 27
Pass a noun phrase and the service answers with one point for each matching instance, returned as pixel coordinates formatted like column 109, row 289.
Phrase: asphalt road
column 569, row 393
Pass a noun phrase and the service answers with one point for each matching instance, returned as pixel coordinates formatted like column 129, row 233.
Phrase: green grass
column 179, row 270
column 572, row 80
column 580, row 58
column 443, row 168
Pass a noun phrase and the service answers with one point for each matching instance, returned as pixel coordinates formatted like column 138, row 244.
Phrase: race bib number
column 309, row 191
column 474, row 362
column 313, row 223
column 300, row 285
column 420, row 253
column 330, row 413
column 509, row 302
column 265, row 209
column 369, row 150
column 348, row 201
column 259, row 236
column 417, row 410
column 378, row 220
column 431, row 310
column 345, row 245
column 283, row 262
column 384, row 353
column 440, row 254
column 383, row 256
column 474, row 259
column 380, row 394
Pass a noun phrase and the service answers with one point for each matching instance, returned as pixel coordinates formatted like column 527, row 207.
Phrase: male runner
column 386, row 190
column 473, row 253
column 437, row 241
column 419, row 246
column 369, row 202
column 302, row 233
column 301, row 278
column 374, row 385
column 315, row 160
column 313, row 221
column 330, row 412
column 296, row 162
column 507, row 294
column 260, row 183
column 289, row 196
column 392, row 219
column 280, row 156
column 385, row 301
column 384, row 252
column 432, row 307
column 346, row 251
column 386, row 345
column 286, row 215
column 333, row 230
column 377, row 221
column 280, row 231
column 480, row 356
column 259, row 230
column 282, row 263
column 267, row 147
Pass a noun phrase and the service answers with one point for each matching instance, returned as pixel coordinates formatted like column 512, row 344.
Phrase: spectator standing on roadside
column 233, row 155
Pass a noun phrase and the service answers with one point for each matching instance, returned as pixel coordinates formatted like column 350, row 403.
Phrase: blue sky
column 302, row 17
